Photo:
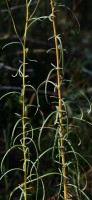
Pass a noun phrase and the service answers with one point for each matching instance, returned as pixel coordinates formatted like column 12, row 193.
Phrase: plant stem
column 59, row 102
column 23, row 100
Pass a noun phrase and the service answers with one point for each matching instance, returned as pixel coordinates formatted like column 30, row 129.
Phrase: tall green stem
column 23, row 99
column 59, row 102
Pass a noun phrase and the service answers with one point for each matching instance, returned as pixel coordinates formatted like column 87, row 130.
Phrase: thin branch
column 60, row 101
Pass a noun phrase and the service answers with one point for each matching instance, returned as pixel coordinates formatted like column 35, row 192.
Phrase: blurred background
column 74, row 23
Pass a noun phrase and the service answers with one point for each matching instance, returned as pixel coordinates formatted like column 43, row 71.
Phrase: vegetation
column 45, row 102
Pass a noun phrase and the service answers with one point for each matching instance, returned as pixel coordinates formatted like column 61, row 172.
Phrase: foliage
column 40, row 159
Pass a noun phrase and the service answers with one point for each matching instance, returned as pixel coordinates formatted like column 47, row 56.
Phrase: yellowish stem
column 23, row 100
column 59, row 103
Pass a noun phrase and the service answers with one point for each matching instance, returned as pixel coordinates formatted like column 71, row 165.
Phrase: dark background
column 75, row 26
